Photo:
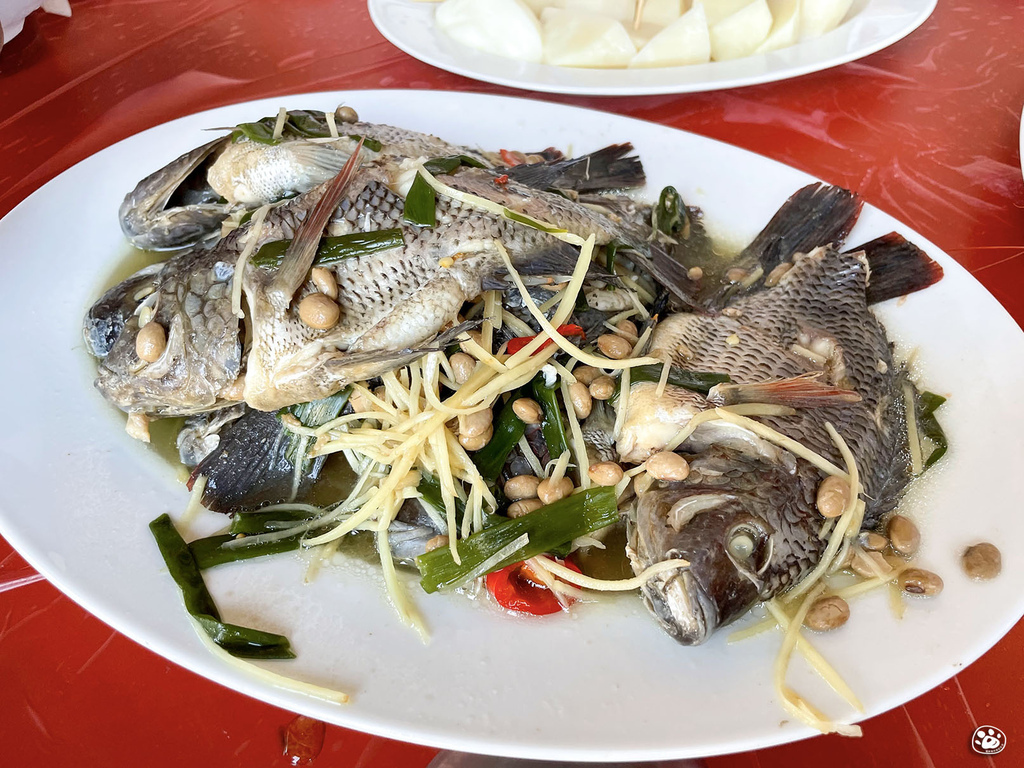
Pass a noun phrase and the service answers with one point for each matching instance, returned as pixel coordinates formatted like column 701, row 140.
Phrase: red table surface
column 926, row 130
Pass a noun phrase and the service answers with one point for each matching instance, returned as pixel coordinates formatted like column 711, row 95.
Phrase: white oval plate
column 870, row 26
column 602, row 683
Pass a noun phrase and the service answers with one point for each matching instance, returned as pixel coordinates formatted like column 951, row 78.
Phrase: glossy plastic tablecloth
column 927, row 130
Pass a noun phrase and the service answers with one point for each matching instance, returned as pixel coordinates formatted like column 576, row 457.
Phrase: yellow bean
column 346, row 114
column 903, row 535
column 602, row 388
column 476, row 442
column 151, row 342
column 628, row 329
column 324, row 281
column 549, row 492
column 436, row 543
column 523, row 507
column 827, row 613
column 982, row 561
column 582, row 402
column 521, row 487
column 833, row 496
column 585, row 374
column 462, row 366
column 319, row 311
column 873, row 542
column 614, row 346
column 918, row 581
column 667, row 466
column 605, row 473
column 528, row 410
column 475, row 424
column 736, row 275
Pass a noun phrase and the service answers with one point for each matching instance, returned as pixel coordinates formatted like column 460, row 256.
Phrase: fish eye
column 741, row 545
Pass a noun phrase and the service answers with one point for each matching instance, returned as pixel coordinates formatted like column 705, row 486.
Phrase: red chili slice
column 512, row 158
column 515, row 589
column 516, row 344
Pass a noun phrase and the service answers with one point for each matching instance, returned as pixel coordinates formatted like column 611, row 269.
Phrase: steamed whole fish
column 188, row 199
column 393, row 302
column 745, row 517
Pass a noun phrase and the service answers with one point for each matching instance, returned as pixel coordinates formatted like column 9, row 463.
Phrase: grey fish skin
column 820, row 302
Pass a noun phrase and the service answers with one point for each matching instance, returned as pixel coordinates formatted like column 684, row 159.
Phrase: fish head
column 729, row 542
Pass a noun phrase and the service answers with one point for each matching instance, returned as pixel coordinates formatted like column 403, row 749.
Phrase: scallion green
column 547, row 528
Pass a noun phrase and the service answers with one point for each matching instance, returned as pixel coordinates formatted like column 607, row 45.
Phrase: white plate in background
column 601, row 683
column 870, row 26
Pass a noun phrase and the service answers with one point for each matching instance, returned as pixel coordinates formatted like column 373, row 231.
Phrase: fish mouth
column 682, row 606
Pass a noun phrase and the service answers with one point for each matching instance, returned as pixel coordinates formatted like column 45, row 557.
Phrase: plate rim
column 539, row 84
column 212, row 669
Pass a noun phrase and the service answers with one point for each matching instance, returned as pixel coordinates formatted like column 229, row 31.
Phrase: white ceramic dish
column 870, row 26
column 602, row 683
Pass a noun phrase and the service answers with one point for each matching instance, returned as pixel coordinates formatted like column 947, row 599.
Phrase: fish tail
column 897, row 267
column 612, row 167
column 818, row 214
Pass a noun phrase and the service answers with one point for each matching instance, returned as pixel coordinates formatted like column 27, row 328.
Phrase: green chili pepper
column 553, row 428
column 369, row 143
column 520, row 218
column 670, row 215
column 244, row 642
column 508, row 429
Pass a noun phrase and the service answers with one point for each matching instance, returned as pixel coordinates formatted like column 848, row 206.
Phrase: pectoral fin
column 798, row 392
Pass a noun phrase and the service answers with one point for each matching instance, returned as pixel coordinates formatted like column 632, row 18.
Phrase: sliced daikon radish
column 685, row 41
column 785, row 25
column 740, row 34
column 580, row 40
column 620, row 10
column 660, row 12
column 503, row 27
column 717, row 10
column 642, row 36
column 820, row 16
